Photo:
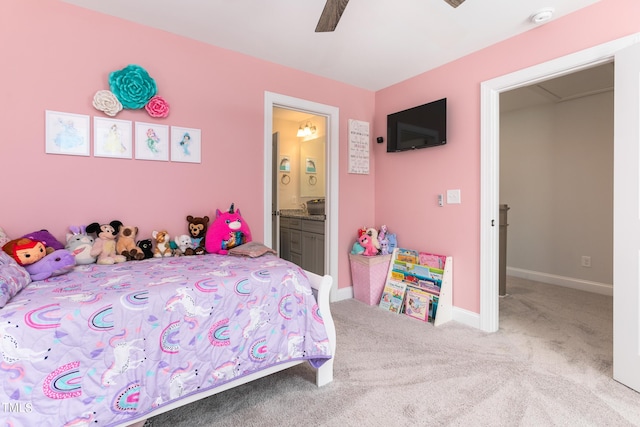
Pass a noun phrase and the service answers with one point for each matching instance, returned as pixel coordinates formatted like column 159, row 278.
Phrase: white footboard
column 324, row 375
column 323, row 284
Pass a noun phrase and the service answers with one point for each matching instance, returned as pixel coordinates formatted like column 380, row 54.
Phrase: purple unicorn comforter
column 101, row 345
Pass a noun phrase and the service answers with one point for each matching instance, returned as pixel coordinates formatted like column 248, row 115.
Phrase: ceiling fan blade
column 331, row 15
column 454, row 3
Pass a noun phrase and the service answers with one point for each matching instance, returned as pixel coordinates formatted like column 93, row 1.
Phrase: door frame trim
column 490, row 157
column 332, row 115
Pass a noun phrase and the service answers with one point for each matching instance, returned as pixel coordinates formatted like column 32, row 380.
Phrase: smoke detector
column 542, row 16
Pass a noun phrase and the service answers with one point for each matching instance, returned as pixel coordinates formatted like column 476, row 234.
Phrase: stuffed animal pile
column 43, row 256
column 371, row 242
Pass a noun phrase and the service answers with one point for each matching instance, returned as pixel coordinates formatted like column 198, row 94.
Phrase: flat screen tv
column 418, row 127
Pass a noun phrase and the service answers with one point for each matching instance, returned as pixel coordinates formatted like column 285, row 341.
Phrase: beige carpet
column 549, row 365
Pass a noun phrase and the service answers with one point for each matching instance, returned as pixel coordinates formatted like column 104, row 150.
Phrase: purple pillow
column 45, row 237
column 13, row 278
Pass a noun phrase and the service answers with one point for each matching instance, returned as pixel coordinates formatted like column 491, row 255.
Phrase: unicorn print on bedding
column 107, row 344
column 11, row 350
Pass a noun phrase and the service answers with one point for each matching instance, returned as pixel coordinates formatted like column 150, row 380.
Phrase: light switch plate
column 453, row 197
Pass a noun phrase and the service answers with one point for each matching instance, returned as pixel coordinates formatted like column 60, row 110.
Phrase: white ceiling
column 583, row 83
column 377, row 43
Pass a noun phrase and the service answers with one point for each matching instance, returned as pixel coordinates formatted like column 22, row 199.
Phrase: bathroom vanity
column 302, row 239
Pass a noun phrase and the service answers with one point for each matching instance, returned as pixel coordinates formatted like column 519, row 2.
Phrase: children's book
column 393, row 296
column 417, row 303
column 432, row 260
column 419, row 276
column 408, row 255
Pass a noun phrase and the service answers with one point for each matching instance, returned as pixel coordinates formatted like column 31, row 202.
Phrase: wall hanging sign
column 358, row 147
column 152, row 141
column 67, row 133
column 185, row 145
column 112, row 138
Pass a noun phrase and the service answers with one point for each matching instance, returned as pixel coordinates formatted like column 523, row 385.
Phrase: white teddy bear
column 182, row 243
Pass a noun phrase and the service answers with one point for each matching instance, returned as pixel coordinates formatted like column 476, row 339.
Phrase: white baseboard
column 344, row 293
column 466, row 317
column 567, row 282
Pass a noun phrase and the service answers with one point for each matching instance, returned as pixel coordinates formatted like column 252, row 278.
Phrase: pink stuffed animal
column 228, row 230
column 367, row 243
column 374, row 237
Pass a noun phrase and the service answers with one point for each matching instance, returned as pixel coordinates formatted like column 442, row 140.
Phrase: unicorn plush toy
column 228, row 230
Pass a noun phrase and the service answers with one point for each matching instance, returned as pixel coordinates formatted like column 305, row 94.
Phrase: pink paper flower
column 157, row 107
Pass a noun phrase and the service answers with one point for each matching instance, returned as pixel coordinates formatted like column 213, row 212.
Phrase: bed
column 115, row 345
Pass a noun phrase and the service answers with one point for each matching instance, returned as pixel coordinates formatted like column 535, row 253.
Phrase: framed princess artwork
column 152, row 141
column 67, row 133
column 112, row 138
column 186, row 145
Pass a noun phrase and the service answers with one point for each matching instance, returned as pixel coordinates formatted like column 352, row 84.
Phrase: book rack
column 418, row 284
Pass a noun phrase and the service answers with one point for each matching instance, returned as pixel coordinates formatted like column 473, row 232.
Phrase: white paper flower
column 106, row 101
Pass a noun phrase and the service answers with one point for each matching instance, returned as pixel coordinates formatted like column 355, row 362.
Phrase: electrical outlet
column 585, row 261
column 453, row 197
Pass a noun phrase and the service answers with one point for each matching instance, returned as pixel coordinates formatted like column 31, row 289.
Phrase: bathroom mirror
column 312, row 168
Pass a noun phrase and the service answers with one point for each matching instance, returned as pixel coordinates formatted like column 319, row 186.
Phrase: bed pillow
column 251, row 249
column 13, row 278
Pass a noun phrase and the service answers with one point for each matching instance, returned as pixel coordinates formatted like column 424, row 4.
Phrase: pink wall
column 407, row 183
column 61, row 55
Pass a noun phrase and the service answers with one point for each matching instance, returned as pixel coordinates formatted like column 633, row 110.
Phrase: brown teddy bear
column 126, row 243
column 197, row 231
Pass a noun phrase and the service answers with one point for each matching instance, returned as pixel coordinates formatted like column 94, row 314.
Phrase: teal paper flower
column 133, row 86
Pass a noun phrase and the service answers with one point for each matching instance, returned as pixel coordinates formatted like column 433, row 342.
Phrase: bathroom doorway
column 330, row 116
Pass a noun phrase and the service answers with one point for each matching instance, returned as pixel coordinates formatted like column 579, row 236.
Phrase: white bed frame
column 324, row 374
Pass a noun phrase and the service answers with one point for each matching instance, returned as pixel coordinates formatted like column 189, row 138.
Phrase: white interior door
column 626, row 219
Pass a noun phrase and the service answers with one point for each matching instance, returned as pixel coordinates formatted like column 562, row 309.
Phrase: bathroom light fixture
column 308, row 130
column 542, row 16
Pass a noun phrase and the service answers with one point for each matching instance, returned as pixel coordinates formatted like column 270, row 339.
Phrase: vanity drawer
column 289, row 222
column 295, row 240
column 313, row 226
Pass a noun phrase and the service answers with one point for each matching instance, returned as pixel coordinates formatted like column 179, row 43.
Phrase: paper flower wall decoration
column 131, row 88
column 157, row 107
column 106, row 101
